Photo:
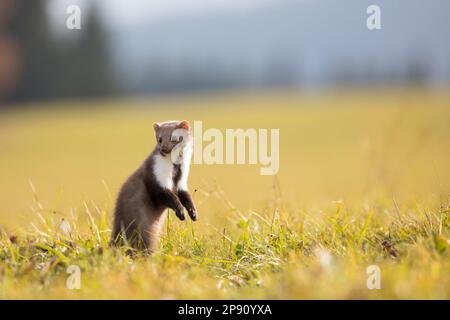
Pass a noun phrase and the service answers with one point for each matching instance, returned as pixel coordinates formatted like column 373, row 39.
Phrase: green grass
column 287, row 255
column 363, row 181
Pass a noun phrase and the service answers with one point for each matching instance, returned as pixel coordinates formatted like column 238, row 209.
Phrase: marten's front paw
column 180, row 215
column 192, row 214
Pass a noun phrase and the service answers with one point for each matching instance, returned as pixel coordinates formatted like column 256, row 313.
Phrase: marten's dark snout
column 165, row 149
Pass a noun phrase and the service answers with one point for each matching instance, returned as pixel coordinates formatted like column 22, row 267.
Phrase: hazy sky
column 125, row 12
column 322, row 36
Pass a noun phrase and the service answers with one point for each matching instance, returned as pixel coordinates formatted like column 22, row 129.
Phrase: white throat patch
column 164, row 166
column 163, row 170
column 186, row 155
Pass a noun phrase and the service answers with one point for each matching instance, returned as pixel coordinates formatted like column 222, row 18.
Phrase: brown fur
column 142, row 201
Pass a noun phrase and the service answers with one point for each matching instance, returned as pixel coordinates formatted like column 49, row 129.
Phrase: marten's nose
column 165, row 149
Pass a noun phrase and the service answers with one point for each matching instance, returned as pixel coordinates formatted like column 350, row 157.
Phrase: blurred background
column 363, row 117
column 154, row 47
column 363, row 114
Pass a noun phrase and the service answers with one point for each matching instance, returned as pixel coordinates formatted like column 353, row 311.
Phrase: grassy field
column 364, row 180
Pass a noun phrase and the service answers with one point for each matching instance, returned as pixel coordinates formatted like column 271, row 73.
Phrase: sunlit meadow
column 363, row 180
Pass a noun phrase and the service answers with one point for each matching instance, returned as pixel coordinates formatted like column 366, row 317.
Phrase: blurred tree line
column 50, row 68
column 37, row 64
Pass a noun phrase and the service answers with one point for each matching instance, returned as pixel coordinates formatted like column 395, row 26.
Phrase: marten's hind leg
column 125, row 233
column 146, row 230
column 152, row 232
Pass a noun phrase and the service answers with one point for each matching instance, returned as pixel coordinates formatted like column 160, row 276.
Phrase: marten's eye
column 160, row 140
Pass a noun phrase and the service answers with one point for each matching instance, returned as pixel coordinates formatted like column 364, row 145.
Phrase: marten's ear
column 156, row 126
column 184, row 125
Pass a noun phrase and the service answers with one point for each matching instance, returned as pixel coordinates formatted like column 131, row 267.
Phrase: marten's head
column 171, row 133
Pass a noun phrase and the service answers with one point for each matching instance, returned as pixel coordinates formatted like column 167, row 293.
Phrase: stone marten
column 161, row 182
